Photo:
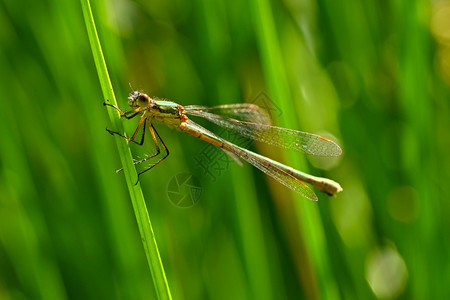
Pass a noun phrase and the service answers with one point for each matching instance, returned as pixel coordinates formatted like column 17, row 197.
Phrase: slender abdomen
column 200, row 132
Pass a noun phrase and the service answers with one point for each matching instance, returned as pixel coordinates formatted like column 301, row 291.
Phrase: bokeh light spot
column 386, row 273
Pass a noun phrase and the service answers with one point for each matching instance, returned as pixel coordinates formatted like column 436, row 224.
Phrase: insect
column 249, row 120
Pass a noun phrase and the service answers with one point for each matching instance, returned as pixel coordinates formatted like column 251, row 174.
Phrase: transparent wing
column 281, row 137
column 265, row 164
column 244, row 112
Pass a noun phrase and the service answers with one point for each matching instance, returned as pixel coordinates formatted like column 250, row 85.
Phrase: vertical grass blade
column 275, row 73
column 139, row 206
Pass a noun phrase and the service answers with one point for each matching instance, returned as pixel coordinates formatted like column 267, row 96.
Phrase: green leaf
column 137, row 198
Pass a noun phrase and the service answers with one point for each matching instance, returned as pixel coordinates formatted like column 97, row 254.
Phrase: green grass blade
column 309, row 216
column 137, row 198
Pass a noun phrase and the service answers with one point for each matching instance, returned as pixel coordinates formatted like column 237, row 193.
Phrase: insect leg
column 155, row 139
column 123, row 114
column 142, row 121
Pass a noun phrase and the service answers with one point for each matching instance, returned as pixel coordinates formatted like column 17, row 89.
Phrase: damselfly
column 248, row 120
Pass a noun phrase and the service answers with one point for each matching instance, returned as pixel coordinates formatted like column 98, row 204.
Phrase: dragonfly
column 249, row 120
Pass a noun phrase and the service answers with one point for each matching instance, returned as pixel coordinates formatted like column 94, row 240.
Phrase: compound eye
column 142, row 100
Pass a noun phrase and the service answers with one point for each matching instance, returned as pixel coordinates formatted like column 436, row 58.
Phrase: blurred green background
column 372, row 75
